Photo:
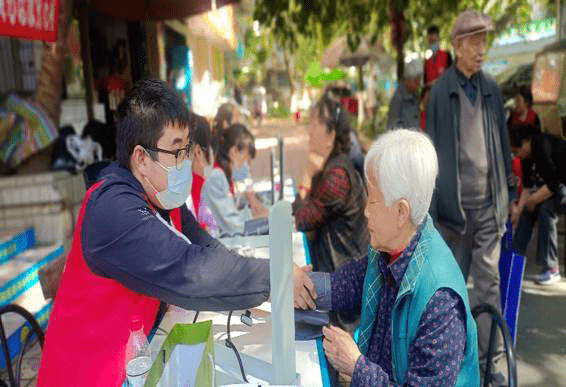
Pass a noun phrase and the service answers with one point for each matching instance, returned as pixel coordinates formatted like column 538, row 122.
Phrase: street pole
column 84, row 14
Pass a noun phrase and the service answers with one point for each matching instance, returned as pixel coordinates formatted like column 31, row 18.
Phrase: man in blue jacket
column 137, row 246
column 466, row 123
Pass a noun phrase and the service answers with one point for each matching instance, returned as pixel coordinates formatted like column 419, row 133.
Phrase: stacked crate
column 20, row 262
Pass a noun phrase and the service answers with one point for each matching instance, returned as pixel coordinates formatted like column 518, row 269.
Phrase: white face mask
column 179, row 182
column 242, row 173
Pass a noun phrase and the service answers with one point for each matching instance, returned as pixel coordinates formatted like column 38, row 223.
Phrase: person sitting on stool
column 541, row 155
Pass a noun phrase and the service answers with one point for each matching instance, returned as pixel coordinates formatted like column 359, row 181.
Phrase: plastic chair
column 35, row 328
column 497, row 321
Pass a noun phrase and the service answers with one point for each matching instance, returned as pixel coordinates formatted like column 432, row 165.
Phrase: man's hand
column 540, row 196
column 532, row 203
column 515, row 214
column 304, row 293
column 341, row 350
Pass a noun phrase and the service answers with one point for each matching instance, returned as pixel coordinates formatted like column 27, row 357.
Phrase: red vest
column 435, row 67
column 196, row 190
column 88, row 330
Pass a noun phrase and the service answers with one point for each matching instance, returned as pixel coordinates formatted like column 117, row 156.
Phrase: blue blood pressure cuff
column 309, row 323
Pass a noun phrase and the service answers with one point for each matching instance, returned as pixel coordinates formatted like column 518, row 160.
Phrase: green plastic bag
column 186, row 358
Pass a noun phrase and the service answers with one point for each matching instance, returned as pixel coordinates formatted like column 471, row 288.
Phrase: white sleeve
column 216, row 196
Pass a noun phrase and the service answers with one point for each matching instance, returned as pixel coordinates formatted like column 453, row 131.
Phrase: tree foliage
column 421, row 14
column 258, row 48
column 290, row 19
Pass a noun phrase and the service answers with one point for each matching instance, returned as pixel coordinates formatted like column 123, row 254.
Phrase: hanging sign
column 30, row 19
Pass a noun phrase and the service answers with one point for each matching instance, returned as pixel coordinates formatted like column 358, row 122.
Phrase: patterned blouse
column 438, row 349
column 313, row 210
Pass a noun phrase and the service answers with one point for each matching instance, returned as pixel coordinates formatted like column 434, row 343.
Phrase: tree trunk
column 50, row 79
column 360, row 78
column 400, row 62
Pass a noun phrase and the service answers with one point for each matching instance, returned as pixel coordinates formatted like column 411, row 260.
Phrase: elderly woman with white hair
column 416, row 327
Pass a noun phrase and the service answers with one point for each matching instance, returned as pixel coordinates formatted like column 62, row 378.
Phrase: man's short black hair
column 433, row 30
column 144, row 113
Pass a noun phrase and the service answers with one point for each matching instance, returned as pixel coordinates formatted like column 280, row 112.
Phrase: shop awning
column 156, row 9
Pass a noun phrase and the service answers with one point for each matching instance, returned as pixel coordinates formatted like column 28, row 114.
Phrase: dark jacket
column 443, row 127
column 123, row 239
column 546, row 161
column 344, row 234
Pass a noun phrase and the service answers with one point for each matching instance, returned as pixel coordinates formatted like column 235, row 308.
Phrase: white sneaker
column 548, row 277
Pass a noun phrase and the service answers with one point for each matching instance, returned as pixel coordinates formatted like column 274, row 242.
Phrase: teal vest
column 432, row 267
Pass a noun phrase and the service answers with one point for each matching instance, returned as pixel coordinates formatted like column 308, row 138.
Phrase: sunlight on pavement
column 557, row 289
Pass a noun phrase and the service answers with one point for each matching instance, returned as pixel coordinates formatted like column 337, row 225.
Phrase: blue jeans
column 547, row 216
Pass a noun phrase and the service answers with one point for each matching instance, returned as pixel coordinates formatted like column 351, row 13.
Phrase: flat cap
column 469, row 23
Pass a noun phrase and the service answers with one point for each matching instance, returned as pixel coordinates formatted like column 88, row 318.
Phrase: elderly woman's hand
column 341, row 349
column 304, row 292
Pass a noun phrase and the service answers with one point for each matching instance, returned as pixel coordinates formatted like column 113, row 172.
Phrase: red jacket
column 436, row 65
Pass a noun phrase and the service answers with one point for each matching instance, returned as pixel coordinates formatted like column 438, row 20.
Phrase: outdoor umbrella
column 339, row 53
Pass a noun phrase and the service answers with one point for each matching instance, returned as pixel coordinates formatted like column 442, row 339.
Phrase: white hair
column 407, row 167
column 413, row 69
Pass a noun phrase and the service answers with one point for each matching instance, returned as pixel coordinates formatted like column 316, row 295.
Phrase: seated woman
column 226, row 115
column 202, row 159
column 416, row 328
column 236, row 148
column 331, row 196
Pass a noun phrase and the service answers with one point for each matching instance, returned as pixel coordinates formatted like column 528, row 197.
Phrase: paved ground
column 541, row 338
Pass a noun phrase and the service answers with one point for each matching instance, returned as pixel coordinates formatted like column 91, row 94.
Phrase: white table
column 255, row 341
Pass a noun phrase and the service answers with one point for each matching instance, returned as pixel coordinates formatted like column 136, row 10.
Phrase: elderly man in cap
column 466, row 122
column 416, row 328
column 404, row 106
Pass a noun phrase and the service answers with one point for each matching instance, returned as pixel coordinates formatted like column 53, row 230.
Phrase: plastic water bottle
column 138, row 355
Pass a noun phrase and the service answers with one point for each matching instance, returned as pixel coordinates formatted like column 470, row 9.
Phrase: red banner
column 30, row 19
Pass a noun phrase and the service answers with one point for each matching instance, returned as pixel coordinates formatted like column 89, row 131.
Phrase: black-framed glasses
column 180, row 154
